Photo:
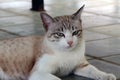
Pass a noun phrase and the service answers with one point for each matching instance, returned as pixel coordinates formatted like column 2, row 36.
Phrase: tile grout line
column 100, row 26
column 98, row 58
column 10, row 11
column 16, row 13
column 112, row 36
column 98, row 39
column 110, row 55
column 12, row 33
column 102, row 14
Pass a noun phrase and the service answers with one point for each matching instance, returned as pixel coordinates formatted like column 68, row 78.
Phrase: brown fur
column 17, row 56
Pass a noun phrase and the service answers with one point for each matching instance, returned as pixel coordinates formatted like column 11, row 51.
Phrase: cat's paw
column 110, row 77
column 107, row 77
column 55, row 78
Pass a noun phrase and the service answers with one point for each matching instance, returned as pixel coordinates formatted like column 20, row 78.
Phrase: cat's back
column 18, row 54
column 22, row 45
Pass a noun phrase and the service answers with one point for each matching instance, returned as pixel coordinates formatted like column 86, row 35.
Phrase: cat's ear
column 77, row 15
column 47, row 20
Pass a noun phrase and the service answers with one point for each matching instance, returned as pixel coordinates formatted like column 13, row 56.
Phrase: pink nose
column 70, row 43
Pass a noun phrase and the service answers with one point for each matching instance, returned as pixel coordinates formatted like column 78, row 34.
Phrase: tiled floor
column 101, row 24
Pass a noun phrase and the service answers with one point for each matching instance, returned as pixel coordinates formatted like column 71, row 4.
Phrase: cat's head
column 63, row 32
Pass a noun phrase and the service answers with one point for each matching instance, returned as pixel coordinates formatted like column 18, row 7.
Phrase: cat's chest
column 66, row 63
column 62, row 62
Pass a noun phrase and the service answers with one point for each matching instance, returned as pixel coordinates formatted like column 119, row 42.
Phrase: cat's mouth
column 70, row 47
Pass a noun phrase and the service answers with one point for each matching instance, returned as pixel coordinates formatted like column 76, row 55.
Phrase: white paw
column 43, row 77
column 110, row 77
column 53, row 78
column 107, row 77
column 56, row 79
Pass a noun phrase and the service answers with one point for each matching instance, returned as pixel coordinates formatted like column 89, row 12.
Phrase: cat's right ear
column 47, row 20
column 77, row 15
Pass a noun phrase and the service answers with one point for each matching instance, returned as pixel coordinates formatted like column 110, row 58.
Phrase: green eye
column 76, row 32
column 61, row 34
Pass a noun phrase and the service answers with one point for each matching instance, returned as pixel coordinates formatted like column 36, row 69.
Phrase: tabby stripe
column 72, row 28
column 64, row 26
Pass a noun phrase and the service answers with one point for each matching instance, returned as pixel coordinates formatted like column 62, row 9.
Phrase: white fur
column 3, row 76
column 92, row 72
column 65, row 61
column 62, row 44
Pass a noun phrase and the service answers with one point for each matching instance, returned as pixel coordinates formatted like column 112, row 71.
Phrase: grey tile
column 88, row 58
column 59, row 12
column 115, row 59
column 19, row 7
column 112, row 30
column 104, row 47
column 23, row 11
column 34, row 16
column 107, row 67
column 78, row 3
column 15, row 4
column 75, row 77
column 89, row 35
column 5, row 35
column 91, row 20
column 6, row 1
column 98, row 20
column 7, row 21
column 6, row 14
column 25, row 30
column 96, row 3
column 111, row 10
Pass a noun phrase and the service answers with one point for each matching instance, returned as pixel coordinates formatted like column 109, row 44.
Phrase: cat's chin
column 69, row 48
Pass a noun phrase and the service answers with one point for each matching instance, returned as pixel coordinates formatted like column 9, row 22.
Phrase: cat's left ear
column 77, row 15
column 47, row 20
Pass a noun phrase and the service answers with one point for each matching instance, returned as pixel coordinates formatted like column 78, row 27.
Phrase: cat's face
column 63, row 32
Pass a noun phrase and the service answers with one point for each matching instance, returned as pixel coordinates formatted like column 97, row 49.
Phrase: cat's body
column 60, row 52
column 17, row 56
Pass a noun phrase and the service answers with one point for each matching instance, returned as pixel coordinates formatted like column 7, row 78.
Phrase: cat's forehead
column 65, row 18
column 66, row 23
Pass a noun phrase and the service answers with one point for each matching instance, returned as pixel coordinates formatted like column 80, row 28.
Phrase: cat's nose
column 70, row 43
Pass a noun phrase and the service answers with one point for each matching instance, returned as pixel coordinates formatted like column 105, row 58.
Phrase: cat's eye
column 76, row 32
column 59, row 34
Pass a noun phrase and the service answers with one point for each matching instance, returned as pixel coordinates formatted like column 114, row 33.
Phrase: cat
column 59, row 52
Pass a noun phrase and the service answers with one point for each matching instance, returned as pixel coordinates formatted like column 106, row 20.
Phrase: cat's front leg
column 42, row 76
column 44, row 68
column 92, row 72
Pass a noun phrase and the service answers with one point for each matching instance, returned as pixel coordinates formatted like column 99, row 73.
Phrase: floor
column 101, row 24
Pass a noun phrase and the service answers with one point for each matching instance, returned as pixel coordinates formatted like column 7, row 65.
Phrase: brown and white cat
column 60, row 52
